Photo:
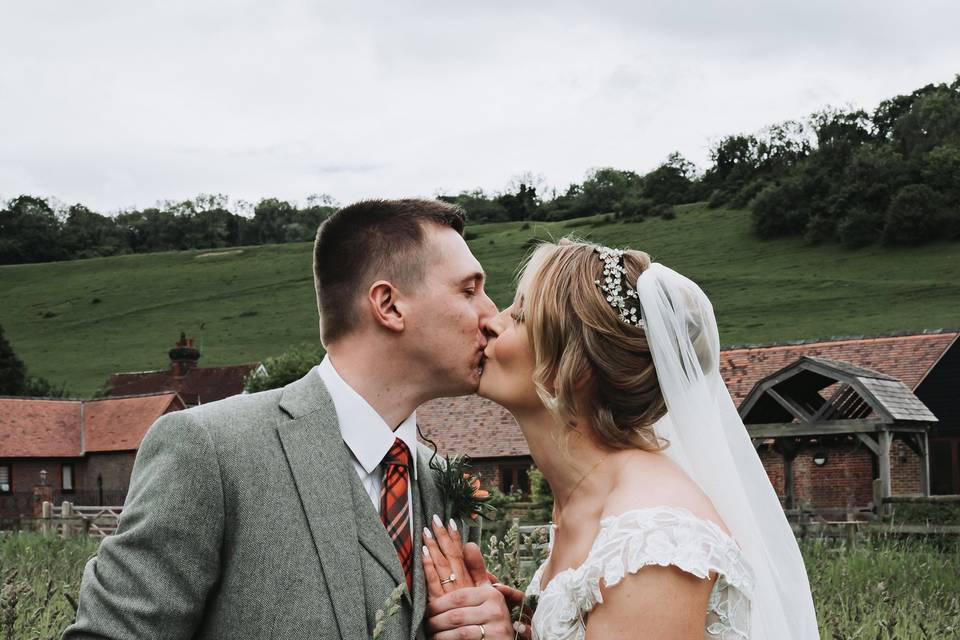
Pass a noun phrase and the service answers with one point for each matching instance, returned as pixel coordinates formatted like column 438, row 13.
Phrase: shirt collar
column 364, row 431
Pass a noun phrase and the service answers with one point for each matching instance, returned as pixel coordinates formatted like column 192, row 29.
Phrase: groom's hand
column 458, row 615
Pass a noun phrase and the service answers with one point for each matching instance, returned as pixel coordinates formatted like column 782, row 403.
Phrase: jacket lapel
column 320, row 464
column 426, row 501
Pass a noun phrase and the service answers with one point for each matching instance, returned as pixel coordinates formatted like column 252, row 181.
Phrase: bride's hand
column 445, row 557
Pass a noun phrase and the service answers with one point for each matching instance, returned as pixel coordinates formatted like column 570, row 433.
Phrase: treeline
column 890, row 176
column 34, row 230
column 846, row 175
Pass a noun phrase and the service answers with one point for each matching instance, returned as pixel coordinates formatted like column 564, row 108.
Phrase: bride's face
column 508, row 371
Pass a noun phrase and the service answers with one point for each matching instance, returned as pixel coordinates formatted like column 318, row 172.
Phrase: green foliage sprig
column 390, row 608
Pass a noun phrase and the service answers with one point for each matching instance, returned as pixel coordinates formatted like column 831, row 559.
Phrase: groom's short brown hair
column 367, row 241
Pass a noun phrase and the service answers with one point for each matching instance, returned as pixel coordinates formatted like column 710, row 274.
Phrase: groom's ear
column 382, row 300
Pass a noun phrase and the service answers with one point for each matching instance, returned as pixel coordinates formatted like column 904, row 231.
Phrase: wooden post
column 851, row 531
column 788, row 449
column 46, row 514
column 66, row 514
column 884, row 440
column 924, row 440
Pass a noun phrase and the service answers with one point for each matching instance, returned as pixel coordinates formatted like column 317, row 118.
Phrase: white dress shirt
column 366, row 434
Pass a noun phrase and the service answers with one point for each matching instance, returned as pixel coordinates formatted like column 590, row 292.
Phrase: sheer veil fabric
column 709, row 441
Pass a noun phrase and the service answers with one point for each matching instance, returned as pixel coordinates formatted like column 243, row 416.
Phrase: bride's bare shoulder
column 647, row 479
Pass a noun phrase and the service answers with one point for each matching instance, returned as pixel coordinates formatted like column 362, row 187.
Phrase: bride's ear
column 583, row 380
column 382, row 300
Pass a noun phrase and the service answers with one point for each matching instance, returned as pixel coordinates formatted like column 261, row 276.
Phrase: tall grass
column 40, row 578
column 884, row 588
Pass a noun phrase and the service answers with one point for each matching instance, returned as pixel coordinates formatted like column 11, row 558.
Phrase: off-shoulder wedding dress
column 637, row 538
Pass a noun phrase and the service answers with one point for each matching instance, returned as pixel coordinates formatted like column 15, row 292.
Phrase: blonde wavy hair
column 589, row 366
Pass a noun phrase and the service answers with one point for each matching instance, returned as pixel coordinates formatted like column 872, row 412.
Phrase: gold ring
column 483, row 634
column 452, row 578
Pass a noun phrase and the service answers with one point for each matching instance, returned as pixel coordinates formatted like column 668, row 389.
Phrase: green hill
column 79, row 321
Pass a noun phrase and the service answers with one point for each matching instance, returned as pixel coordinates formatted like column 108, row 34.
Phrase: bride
column 665, row 523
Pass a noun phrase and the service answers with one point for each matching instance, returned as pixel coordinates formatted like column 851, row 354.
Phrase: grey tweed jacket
column 246, row 519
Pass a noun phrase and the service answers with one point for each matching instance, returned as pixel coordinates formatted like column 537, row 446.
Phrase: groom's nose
column 488, row 309
column 491, row 326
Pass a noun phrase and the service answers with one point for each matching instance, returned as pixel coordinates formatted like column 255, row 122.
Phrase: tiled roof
column 200, row 385
column 119, row 424
column 483, row 429
column 53, row 428
column 32, row 427
column 473, row 425
column 907, row 358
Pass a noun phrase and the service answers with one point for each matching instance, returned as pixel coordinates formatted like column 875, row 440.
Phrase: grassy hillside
column 79, row 321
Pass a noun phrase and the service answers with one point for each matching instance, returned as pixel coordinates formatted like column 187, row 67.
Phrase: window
column 5, row 482
column 514, row 478
column 66, row 477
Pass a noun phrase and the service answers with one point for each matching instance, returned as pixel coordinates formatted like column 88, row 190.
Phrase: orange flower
column 475, row 483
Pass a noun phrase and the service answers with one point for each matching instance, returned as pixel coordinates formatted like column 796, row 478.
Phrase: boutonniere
column 463, row 499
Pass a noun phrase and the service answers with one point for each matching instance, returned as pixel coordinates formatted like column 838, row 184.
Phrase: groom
column 295, row 512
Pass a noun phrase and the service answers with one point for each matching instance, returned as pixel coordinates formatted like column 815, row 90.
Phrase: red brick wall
column 905, row 469
column 846, row 480
column 113, row 467
column 25, row 474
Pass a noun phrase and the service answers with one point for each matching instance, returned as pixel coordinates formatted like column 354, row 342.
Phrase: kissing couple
column 296, row 512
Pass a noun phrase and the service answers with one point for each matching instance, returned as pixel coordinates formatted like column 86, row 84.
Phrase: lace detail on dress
column 625, row 544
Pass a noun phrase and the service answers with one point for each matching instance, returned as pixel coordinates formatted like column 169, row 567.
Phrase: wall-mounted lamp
column 820, row 458
column 43, row 476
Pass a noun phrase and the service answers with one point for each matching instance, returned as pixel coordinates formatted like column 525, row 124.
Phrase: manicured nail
column 453, row 525
column 426, row 551
column 426, row 532
column 437, row 521
column 519, row 627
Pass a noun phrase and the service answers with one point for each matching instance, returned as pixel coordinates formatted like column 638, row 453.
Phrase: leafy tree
column 13, row 375
column 479, row 206
column 30, row 231
column 605, row 188
column 285, row 368
column 522, row 205
column 671, row 182
column 916, row 215
column 859, row 227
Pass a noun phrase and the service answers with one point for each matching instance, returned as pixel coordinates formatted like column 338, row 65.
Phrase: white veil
column 709, row 441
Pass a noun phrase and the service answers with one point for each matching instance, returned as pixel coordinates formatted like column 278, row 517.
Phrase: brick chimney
column 183, row 357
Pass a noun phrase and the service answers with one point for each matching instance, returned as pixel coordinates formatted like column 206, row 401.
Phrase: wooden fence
column 68, row 520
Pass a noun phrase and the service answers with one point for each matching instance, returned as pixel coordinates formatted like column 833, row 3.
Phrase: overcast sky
column 120, row 104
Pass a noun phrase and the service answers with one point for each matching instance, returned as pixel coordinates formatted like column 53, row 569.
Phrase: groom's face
column 451, row 309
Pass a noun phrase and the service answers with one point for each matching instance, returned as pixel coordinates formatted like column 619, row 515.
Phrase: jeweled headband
column 613, row 283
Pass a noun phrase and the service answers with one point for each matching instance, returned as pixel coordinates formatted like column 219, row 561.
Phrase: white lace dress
column 632, row 540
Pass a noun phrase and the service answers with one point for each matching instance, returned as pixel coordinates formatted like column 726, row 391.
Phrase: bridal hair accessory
column 613, row 283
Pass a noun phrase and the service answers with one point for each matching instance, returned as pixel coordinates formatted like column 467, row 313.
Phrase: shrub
column 283, row 369
column 820, row 228
column 915, row 216
column 778, row 210
column 859, row 228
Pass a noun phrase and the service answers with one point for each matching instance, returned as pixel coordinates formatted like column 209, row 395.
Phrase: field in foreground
column 77, row 322
column 885, row 588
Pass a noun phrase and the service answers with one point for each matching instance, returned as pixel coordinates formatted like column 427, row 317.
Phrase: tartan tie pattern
column 394, row 505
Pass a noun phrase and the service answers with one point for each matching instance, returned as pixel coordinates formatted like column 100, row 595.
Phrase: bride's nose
column 493, row 326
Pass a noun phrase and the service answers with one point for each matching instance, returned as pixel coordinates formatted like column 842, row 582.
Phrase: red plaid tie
column 394, row 504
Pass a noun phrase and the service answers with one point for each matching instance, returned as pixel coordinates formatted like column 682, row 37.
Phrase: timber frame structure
column 788, row 406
